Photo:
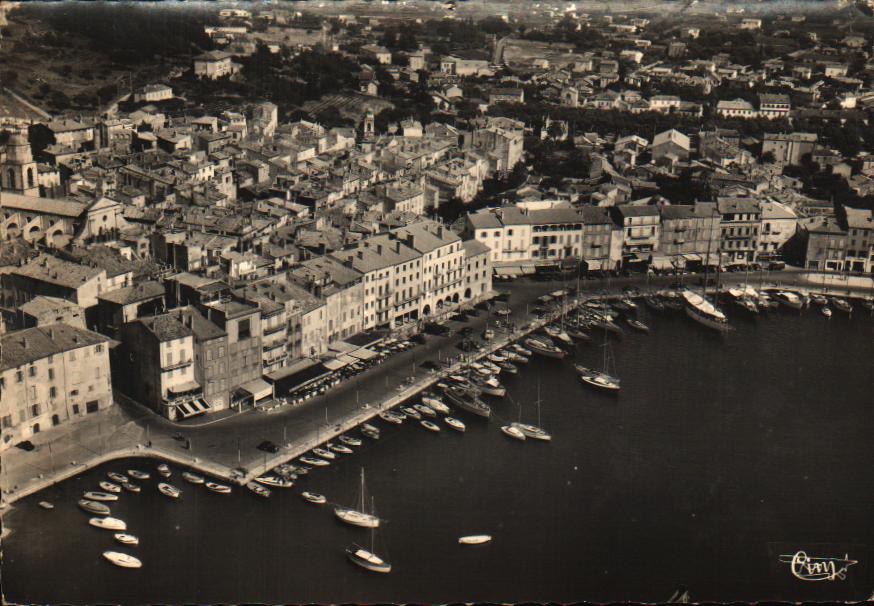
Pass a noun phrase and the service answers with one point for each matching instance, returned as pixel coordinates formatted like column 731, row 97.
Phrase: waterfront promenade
column 226, row 447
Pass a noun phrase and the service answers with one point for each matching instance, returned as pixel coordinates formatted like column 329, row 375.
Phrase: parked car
column 268, row 446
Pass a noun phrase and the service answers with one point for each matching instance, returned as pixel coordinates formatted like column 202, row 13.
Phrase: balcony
column 174, row 366
column 274, row 330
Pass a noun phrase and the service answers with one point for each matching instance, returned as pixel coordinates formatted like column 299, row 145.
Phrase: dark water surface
column 719, row 455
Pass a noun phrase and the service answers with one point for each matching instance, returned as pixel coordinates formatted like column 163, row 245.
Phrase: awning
column 508, row 272
column 334, row 364
column 259, row 388
column 184, row 387
column 184, row 410
column 691, row 257
column 661, row 262
column 529, row 269
column 364, row 354
column 342, row 347
column 348, row 359
column 299, row 378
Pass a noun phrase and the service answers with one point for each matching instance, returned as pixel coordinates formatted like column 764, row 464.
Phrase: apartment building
column 740, row 227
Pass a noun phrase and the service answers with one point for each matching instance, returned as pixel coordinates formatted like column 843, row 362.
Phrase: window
column 98, row 348
column 51, row 374
column 244, row 330
column 53, row 392
column 7, row 422
column 75, row 409
column 31, row 371
column 91, row 406
column 35, row 410
column 19, row 376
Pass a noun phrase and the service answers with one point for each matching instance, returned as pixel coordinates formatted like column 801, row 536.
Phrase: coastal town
column 291, row 199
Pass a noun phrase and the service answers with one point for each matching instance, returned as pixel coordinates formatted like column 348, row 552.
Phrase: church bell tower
column 18, row 172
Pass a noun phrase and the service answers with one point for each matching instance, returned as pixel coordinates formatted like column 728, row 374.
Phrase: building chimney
column 398, row 247
column 379, row 249
column 360, row 254
column 410, row 240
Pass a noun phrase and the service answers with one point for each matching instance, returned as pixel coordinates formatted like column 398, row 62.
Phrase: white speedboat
column 169, row 490
column 325, row 454
column 314, row 462
column 349, row 440
column 314, row 497
column 117, row 477
column 425, row 410
column 826, row 311
column 94, row 507
column 541, row 347
column 455, row 423
column 261, row 491
column 164, row 470
column 842, row 305
column 411, row 412
column 130, row 487
column 513, row 432
column 390, row 418
column 126, row 539
column 435, row 404
column 123, row 560
column 96, row 495
column 108, row 523
column 192, row 477
column 556, row 332
column 136, row 474
column 110, row 487
column 532, row 431
column 790, row 299
column 370, row 431
column 491, row 387
column 521, row 350
column 46, row 505
column 219, row 488
column 340, row 448
column 429, row 425
column 368, row 560
column 274, row 481
column 475, row 539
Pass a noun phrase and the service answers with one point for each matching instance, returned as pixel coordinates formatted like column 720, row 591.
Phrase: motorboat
column 826, row 311
column 455, row 423
column 108, row 523
column 556, row 332
column 475, row 539
column 521, row 350
column 468, row 401
column 131, row 487
column 100, row 496
column 790, row 299
column 340, row 448
column 192, row 477
column 349, row 440
column 164, row 470
column 218, row 488
column 117, row 477
column 435, row 404
column 577, row 334
column 274, row 481
column 314, row 462
column 314, row 497
column 412, row 412
column 513, row 432
column 704, row 312
column 508, row 368
column 654, row 303
column 370, row 431
column 261, row 491
column 169, row 490
column 123, row 560
column 842, row 305
column 868, row 304
column 109, row 487
column 598, row 379
column 747, row 304
column 491, row 387
column 136, row 474
column 390, row 417
column 368, row 560
column 497, row 357
column 94, row 507
column 325, row 454
column 399, row 414
column 532, row 431
column 429, row 425
column 818, row 299
column 126, row 539
column 46, row 505
column 543, row 348
column 492, row 368
column 424, row 410
column 516, row 358
column 637, row 325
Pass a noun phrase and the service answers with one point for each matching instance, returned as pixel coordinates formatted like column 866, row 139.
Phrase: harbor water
column 721, row 454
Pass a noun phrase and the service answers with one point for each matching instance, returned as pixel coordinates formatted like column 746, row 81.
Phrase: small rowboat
column 117, row 477
column 94, row 507
column 130, row 487
column 314, row 462
column 122, row 559
column 390, row 418
column 339, row 448
column 275, row 481
column 349, row 440
column 192, row 477
column 169, row 490
column 108, row 523
column 126, row 539
column 219, row 488
column 136, row 474
column 637, row 325
column 826, row 311
column 429, row 425
column 455, row 424
column 259, row 490
column 475, row 539
column 110, row 487
column 100, row 496
column 314, row 497
column 164, row 470
column 325, row 454
column 46, row 505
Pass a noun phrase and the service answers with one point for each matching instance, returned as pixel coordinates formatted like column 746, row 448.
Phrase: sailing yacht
column 357, row 517
column 533, row 431
column 367, row 558
column 600, row 379
column 704, row 312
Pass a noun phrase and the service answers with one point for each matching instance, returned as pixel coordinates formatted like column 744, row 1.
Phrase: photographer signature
column 808, row 568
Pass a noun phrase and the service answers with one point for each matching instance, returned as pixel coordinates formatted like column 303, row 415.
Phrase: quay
column 219, row 461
